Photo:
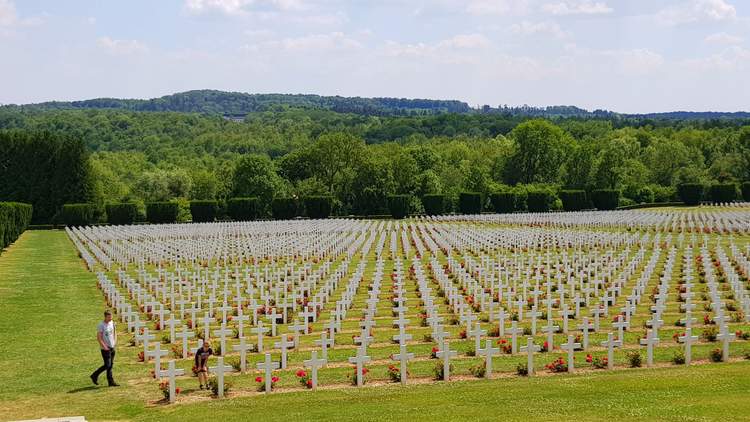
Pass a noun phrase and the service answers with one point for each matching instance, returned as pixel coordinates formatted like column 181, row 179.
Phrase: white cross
column 565, row 312
column 284, row 345
column 621, row 324
column 296, row 328
column 530, row 348
column 267, row 366
column 488, row 352
column 514, row 332
column 206, row 325
column 184, row 336
column 157, row 353
column 273, row 317
column 725, row 338
column 688, row 339
column 585, row 326
column 172, row 322
column 324, row 344
column 403, row 357
column 171, row 372
column 550, row 330
column 359, row 360
column 650, row 341
column 570, row 347
column 477, row 333
column 223, row 332
column 610, row 344
column 243, row 348
column 260, row 331
column 219, row 370
column 446, row 354
column 314, row 363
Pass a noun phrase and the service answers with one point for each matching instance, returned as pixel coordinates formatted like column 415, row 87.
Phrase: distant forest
column 360, row 151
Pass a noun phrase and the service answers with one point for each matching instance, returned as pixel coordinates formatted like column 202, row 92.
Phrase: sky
column 630, row 56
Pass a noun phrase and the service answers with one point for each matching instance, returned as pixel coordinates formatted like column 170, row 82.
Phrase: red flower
column 589, row 358
column 177, row 390
column 258, row 379
column 435, row 350
column 300, row 373
column 274, row 379
column 309, row 383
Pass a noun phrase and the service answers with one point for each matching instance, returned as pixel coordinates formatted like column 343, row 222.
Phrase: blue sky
column 622, row 55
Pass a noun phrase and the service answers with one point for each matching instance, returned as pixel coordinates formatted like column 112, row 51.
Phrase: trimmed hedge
column 722, row 192
column 15, row 217
column 605, row 199
column 243, row 209
column 574, row 200
column 284, row 208
column 434, row 204
column 470, row 203
column 78, row 214
column 690, row 193
column 399, row 205
column 204, row 211
column 504, row 202
column 745, row 191
column 162, row 212
column 119, row 214
column 318, row 206
column 539, row 200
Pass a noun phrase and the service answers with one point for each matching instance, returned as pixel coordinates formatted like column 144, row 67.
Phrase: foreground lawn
column 50, row 307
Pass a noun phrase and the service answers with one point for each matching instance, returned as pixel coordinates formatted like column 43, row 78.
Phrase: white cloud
column 121, row 47
column 313, row 43
column 497, row 7
column 723, row 38
column 696, row 11
column 733, row 58
column 536, row 28
column 577, row 7
column 242, row 7
column 8, row 15
column 464, row 41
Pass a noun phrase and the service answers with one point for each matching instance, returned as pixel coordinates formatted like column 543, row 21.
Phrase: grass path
column 49, row 306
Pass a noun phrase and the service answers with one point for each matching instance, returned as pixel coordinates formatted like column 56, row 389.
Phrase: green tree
column 542, row 150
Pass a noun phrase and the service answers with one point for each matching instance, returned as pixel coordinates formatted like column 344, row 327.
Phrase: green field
column 50, row 306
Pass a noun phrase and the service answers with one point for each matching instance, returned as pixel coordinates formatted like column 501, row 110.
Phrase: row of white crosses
column 488, row 281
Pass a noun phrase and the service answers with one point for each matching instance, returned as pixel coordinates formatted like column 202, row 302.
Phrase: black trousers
column 108, row 356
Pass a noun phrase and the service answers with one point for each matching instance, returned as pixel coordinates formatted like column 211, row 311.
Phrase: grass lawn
column 50, row 307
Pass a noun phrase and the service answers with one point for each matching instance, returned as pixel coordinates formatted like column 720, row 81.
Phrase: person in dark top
column 201, row 363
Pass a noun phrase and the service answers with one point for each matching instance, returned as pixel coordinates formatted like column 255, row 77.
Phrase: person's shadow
column 89, row 388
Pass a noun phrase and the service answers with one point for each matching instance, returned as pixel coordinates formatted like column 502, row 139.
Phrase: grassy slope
column 50, row 307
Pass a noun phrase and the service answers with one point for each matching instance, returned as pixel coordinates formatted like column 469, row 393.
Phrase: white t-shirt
column 108, row 333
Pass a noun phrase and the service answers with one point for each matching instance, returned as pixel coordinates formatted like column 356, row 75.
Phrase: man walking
column 107, row 338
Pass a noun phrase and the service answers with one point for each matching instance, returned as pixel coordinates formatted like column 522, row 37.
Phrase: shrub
column 243, row 209
column 709, row 334
column 539, row 200
column 522, row 369
column 398, row 205
column 605, row 199
column 663, row 193
column 715, row 355
column 162, row 212
column 318, row 206
column 573, row 200
column 14, row 219
column 690, row 193
column 678, row 358
column 503, row 202
column 745, row 191
column 284, row 208
column 203, row 211
column 478, row 370
column 78, row 214
column 437, row 371
column 434, row 204
column 634, row 358
column 722, row 192
column 119, row 214
column 470, row 203
column 644, row 195
column 213, row 385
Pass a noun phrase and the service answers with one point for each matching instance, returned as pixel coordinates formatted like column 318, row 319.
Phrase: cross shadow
column 81, row 389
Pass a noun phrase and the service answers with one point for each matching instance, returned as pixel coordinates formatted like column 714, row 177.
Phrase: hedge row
column 605, row 199
column 318, row 206
column 119, row 214
column 79, row 214
column 398, row 205
column 14, row 218
column 433, row 204
column 694, row 193
column 574, row 200
column 204, row 211
column 162, row 212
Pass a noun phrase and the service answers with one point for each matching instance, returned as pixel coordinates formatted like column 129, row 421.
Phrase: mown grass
column 50, row 306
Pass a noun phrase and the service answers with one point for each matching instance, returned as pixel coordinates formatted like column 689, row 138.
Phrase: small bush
column 318, row 206
column 79, row 214
column 243, row 209
column 709, row 334
column 678, row 358
column 722, row 192
column 437, row 371
column 634, row 358
column 522, row 369
column 644, row 195
column 213, row 385
column 478, row 370
column 120, row 214
column 203, row 211
column 162, row 212
column 398, row 205
column 539, row 200
column 15, row 217
column 284, row 208
column 605, row 199
column 573, row 200
column 470, row 203
column 715, row 355
column 503, row 202
column 434, row 204
column 690, row 193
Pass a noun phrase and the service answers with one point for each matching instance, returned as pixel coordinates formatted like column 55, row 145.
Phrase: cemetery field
column 600, row 288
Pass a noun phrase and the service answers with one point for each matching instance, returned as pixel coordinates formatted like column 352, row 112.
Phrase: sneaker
column 93, row 379
column 114, row 384
column 201, row 386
